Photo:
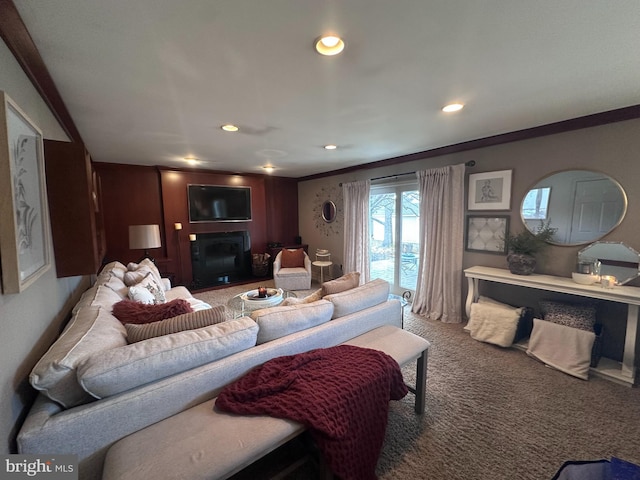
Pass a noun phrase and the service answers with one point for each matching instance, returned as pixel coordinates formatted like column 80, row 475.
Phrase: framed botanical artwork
column 486, row 234
column 24, row 238
column 490, row 190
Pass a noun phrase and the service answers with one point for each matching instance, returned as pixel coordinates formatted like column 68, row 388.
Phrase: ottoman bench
column 204, row 443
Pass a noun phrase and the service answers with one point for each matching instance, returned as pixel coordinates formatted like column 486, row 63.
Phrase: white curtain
column 439, row 290
column 356, row 228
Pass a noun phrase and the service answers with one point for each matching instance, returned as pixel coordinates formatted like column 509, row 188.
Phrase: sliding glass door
column 394, row 246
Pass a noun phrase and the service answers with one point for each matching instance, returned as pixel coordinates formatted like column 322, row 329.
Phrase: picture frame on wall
column 490, row 190
column 24, row 237
column 486, row 233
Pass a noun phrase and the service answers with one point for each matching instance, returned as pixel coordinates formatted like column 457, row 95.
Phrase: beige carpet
column 495, row 414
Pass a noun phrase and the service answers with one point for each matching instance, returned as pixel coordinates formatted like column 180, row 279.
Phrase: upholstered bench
column 202, row 442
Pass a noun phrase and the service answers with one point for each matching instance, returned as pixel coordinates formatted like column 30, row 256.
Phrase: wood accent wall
column 139, row 195
column 130, row 196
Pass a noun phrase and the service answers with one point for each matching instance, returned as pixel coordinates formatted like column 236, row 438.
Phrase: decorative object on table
column 260, row 264
column 585, row 278
column 486, row 233
column 490, row 190
column 323, row 260
column 24, row 241
column 524, row 246
column 253, row 301
column 613, row 258
column 144, row 237
column 608, row 281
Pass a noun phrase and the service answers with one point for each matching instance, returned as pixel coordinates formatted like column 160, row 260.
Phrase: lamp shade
column 142, row 237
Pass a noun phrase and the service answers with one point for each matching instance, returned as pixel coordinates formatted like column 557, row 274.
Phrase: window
column 394, row 215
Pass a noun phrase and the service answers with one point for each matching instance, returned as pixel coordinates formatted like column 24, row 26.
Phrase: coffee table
column 241, row 304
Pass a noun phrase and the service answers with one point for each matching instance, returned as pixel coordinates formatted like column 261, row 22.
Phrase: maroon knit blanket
column 340, row 393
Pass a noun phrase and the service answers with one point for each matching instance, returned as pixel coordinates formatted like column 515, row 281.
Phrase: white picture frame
column 24, row 234
column 490, row 190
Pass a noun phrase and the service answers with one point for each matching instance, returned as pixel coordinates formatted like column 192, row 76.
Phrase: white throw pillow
column 147, row 291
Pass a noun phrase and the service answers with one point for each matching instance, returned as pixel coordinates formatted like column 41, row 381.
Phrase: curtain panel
column 356, row 228
column 439, row 291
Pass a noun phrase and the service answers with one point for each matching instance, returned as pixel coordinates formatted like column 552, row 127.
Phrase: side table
column 322, row 264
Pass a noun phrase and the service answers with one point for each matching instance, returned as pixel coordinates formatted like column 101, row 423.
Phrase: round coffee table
column 246, row 302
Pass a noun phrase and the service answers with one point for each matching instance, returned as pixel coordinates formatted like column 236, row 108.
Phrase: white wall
column 29, row 321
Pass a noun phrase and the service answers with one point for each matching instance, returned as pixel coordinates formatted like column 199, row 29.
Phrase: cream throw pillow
column 180, row 323
column 341, row 284
column 314, row 297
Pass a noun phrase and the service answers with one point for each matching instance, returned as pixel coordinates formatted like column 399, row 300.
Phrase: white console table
column 622, row 372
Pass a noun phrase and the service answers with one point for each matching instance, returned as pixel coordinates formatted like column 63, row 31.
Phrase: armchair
column 292, row 277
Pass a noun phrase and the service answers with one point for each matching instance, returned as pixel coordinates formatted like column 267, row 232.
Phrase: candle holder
column 262, row 292
column 608, row 281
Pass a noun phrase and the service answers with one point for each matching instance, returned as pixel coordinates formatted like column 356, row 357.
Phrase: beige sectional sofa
column 96, row 387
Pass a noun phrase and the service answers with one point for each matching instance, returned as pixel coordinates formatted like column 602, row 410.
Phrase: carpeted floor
column 495, row 413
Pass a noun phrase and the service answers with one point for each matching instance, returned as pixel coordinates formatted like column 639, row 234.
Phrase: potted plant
column 524, row 246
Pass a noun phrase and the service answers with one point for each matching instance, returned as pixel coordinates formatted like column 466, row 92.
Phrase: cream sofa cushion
column 356, row 299
column 91, row 330
column 119, row 369
column 278, row 322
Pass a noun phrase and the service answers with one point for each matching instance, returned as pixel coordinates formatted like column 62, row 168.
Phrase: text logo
column 51, row 467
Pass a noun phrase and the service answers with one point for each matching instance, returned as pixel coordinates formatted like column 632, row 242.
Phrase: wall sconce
column 144, row 237
column 177, row 227
column 192, row 237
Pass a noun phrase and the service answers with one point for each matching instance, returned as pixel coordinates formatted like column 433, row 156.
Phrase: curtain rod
column 470, row 163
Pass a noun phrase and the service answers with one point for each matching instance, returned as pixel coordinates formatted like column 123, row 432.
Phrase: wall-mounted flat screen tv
column 219, row 203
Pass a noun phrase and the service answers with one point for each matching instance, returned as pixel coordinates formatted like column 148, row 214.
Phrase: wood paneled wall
column 138, row 195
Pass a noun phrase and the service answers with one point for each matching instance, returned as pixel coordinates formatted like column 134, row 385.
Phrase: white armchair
column 294, row 278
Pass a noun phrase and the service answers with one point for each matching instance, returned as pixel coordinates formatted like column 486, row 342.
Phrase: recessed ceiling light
column 268, row 168
column 453, row 107
column 329, row 45
column 229, row 128
column 191, row 160
column 330, row 147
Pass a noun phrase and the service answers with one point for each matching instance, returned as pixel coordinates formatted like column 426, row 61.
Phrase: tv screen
column 217, row 203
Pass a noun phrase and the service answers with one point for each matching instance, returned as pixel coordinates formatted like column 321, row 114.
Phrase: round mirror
column 581, row 205
column 328, row 211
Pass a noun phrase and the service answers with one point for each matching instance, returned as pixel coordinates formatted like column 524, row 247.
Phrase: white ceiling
column 149, row 82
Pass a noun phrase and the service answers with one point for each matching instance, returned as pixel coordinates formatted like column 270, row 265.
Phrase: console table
column 622, row 372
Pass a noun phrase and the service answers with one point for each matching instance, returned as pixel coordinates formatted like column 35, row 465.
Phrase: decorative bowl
column 253, row 301
column 585, row 278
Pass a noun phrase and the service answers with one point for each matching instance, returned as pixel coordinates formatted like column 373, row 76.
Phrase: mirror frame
column 329, row 211
column 609, row 265
column 596, row 172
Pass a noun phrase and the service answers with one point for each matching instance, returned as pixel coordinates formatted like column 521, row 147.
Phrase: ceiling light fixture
column 191, row 160
column 229, row 128
column 268, row 168
column 330, row 147
column 329, row 45
column 453, row 107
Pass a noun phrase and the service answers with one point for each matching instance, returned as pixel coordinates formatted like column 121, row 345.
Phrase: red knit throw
column 340, row 393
